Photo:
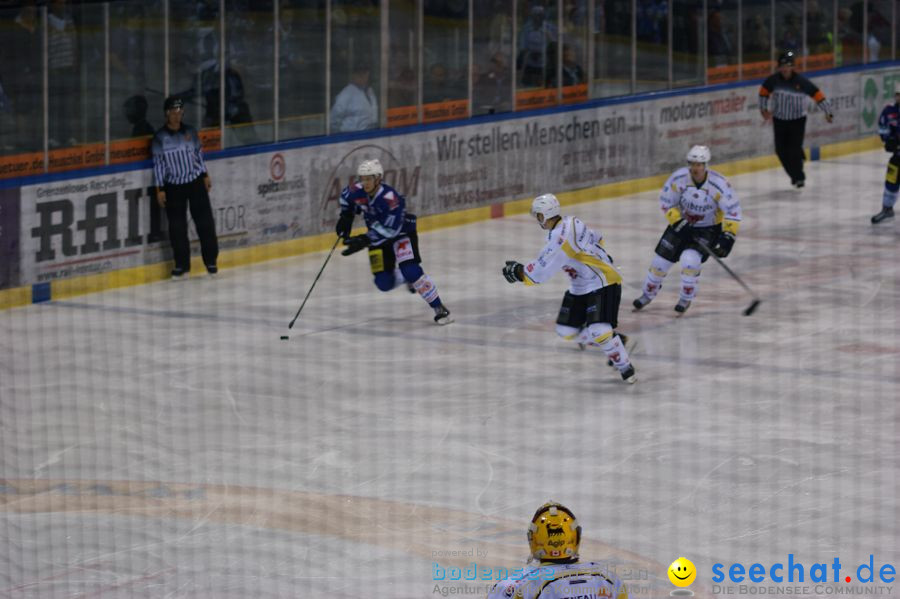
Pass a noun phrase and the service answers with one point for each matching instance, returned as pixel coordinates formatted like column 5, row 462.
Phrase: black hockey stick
column 756, row 301
column 297, row 315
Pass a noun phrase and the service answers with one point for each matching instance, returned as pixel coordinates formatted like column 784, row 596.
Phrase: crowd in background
column 516, row 46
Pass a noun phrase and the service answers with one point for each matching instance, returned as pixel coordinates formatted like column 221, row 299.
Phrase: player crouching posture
column 391, row 238
column 590, row 309
column 553, row 539
column 699, row 204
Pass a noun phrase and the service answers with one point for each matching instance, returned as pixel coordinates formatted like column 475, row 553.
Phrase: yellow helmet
column 554, row 533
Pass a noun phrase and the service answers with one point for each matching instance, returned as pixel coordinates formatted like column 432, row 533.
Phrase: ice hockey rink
column 162, row 441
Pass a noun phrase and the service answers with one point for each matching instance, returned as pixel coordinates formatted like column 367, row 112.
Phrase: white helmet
column 370, row 167
column 545, row 204
column 699, row 154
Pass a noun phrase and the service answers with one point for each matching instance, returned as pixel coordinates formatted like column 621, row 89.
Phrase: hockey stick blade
column 756, row 301
column 752, row 307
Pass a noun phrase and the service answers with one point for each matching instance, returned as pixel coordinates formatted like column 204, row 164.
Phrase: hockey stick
column 756, row 301
column 297, row 315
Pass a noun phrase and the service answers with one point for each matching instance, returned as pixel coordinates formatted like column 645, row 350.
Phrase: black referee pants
column 789, row 146
column 179, row 198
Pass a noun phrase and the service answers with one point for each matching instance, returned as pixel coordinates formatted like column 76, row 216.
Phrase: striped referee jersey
column 177, row 157
column 786, row 98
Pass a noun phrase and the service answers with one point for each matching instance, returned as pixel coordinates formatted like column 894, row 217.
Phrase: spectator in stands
column 756, row 39
column 537, row 32
column 64, row 81
column 136, row 113
column 356, row 106
column 493, row 88
column 572, row 72
column 441, row 86
column 818, row 29
column 21, row 68
column 721, row 50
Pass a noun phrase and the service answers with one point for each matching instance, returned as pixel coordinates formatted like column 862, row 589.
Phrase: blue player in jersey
column 889, row 130
column 391, row 237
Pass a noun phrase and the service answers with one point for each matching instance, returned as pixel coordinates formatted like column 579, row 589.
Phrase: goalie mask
column 554, row 534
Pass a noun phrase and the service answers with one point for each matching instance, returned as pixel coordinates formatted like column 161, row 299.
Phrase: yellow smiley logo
column 682, row 572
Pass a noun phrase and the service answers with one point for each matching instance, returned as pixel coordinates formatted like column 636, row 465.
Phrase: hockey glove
column 355, row 244
column 723, row 245
column 513, row 271
column 684, row 230
column 890, row 145
column 344, row 224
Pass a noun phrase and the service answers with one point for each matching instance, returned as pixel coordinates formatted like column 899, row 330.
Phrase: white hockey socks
column 691, row 263
column 613, row 348
column 425, row 287
column 602, row 335
column 659, row 268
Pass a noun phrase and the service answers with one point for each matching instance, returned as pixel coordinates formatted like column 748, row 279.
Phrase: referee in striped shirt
column 181, row 183
column 782, row 98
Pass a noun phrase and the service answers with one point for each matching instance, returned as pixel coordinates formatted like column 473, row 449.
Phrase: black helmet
column 172, row 102
column 787, row 58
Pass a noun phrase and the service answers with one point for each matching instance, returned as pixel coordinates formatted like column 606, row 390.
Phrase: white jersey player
column 700, row 205
column 590, row 309
column 553, row 539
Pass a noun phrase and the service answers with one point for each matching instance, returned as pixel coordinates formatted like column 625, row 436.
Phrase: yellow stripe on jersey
column 610, row 274
column 673, row 215
column 731, row 226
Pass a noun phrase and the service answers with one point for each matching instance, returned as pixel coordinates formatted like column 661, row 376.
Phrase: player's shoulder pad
column 562, row 230
column 385, row 188
column 718, row 180
column 677, row 180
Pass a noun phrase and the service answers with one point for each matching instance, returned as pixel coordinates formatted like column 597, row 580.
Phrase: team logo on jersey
column 392, row 200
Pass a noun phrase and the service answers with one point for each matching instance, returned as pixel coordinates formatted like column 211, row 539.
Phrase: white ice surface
column 161, row 441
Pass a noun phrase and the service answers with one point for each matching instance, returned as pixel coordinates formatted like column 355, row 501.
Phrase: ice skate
column 628, row 375
column 682, row 306
column 442, row 315
column 885, row 214
column 641, row 301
